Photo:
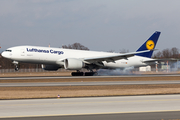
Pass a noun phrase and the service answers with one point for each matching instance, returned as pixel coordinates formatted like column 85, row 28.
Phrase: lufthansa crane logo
column 150, row 45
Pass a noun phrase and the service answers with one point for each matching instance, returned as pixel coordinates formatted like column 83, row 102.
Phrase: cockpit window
column 8, row 50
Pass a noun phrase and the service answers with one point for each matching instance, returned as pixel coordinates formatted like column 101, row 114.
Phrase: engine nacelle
column 73, row 64
column 50, row 67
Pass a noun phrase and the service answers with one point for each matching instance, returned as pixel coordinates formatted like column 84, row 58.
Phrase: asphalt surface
column 121, row 116
column 126, row 107
column 153, row 107
column 88, row 83
column 63, row 77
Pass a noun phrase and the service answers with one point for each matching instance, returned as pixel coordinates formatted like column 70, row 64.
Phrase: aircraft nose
column 5, row 55
column 2, row 54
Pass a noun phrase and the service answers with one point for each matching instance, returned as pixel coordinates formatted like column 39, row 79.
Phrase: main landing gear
column 78, row 73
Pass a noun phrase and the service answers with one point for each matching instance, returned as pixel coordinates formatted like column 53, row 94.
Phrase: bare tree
column 77, row 46
column 158, row 55
column 167, row 53
column 175, row 52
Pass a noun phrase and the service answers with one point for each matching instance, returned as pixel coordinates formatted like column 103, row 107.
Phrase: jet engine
column 73, row 64
column 50, row 67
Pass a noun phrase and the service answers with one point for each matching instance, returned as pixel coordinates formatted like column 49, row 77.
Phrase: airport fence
column 26, row 70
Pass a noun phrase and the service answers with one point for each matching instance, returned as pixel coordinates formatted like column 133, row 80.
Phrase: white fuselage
column 55, row 56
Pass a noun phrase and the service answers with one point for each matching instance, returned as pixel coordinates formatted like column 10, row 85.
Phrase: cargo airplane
column 55, row 58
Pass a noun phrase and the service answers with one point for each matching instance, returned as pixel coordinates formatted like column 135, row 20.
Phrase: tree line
column 76, row 46
column 167, row 53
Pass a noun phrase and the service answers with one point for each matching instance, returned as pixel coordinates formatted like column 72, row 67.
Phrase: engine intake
column 73, row 64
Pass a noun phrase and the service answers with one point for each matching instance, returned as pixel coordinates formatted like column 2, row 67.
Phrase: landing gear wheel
column 84, row 74
column 16, row 68
column 90, row 73
column 77, row 73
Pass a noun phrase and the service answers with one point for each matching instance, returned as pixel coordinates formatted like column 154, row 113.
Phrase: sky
column 100, row 25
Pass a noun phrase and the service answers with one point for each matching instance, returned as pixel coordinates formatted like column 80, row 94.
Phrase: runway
column 75, row 81
column 72, row 77
column 88, row 83
column 94, row 107
column 124, row 107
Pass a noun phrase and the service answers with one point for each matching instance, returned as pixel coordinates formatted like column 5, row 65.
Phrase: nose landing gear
column 16, row 68
column 16, row 65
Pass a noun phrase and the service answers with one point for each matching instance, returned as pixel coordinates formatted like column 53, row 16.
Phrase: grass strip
column 86, row 91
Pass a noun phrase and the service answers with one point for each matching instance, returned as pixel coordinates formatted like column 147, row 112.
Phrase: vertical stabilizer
column 150, row 44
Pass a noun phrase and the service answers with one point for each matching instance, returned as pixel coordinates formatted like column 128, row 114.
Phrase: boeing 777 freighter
column 55, row 58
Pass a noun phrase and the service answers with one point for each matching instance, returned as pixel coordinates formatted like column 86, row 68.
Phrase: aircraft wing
column 112, row 58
